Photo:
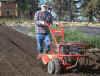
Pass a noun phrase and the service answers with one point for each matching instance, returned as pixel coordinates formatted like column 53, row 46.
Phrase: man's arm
column 51, row 19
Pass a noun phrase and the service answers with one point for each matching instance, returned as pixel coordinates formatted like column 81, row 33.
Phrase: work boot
column 47, row 52
column 38, row 57
column 41, row 52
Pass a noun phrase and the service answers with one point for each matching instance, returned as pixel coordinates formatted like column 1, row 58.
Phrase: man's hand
column 41, row 22
column 45, row 23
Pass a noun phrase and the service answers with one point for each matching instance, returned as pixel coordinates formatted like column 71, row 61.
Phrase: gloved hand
column 43, row 23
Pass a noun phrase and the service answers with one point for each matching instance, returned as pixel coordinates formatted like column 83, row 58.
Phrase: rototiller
column 64, row 55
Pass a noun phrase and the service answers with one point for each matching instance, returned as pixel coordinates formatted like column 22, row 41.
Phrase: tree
column 21, row 7
column 98, row 9
column 65, row 9
column 25, row 6
column 91, row 9
column 74, row 9
column 60, row 7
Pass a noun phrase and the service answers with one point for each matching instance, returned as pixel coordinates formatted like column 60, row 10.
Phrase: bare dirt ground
column 18, row 57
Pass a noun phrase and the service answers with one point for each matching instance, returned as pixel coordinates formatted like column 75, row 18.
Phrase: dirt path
column 18, row 57
column 86, row 29
column 90, row 30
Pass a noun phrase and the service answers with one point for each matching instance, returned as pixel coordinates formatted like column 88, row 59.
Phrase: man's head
column 44, row 7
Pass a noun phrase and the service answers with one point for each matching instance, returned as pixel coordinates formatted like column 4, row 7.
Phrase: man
column 42, row 18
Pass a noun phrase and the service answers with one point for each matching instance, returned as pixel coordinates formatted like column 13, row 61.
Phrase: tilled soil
column 18, row 57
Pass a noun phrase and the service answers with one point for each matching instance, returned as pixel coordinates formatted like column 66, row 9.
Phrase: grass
column 70, row 36
column 77, row 36
column 32, row 30
column 15, row 20
column 22, row 20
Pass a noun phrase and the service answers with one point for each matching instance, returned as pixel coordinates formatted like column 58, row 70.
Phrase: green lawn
column 15, row 20
column 30, row 21
column 77, row 36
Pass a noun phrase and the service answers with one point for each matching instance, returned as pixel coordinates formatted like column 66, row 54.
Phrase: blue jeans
column 43, row 38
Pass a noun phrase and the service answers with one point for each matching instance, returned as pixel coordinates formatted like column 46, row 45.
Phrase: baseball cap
column 44, row 5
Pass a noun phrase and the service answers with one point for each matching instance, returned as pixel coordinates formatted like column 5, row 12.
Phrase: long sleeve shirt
column 39, row 19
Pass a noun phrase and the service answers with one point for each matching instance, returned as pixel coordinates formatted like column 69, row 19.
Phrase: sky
column 43, row 1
